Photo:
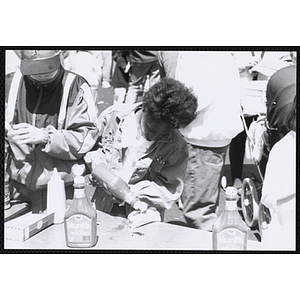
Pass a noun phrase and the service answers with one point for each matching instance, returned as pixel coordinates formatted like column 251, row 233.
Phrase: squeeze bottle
column 56, row 197
column 229, row 231
column 80, row 220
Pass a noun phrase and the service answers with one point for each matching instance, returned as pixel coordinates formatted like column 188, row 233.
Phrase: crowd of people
column 175, row 116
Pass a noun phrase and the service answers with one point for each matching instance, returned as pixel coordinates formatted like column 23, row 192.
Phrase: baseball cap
column 39, row 61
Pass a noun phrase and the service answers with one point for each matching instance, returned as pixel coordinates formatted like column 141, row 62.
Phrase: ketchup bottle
column 229, row 231
column 80, row 219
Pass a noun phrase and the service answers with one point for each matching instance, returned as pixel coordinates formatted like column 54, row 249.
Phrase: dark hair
column 291, row 117
column 171, row 101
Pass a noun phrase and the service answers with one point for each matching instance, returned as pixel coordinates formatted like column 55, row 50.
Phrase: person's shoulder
column 175, row 147
column 8, row 81
column 10, row 76
column 283, row 146
column 77, row 79
column 73, row 84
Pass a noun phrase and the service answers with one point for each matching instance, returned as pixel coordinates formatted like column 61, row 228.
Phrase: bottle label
column 231, row 239
column 79, row 229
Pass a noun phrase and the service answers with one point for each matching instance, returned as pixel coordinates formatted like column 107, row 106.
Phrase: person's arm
column 117, row 186
column 80, row 132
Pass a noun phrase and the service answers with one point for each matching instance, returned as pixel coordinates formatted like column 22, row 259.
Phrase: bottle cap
column 77, row 170
column 78, row 179
column 231, row 192
column 55, row 175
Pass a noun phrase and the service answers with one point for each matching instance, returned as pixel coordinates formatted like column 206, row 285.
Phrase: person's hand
column 133, row 200
column 94, row 182
column 139, row 205
column 24, row 133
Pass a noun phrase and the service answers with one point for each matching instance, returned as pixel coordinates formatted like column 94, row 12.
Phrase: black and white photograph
column 147, row 149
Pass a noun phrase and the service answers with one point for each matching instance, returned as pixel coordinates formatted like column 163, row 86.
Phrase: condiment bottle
column 229, row 231
column 56, row 197
column 80, row 219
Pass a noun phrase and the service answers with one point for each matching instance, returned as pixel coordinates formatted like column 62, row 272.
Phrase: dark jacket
column 69, row 117
column 159, row 174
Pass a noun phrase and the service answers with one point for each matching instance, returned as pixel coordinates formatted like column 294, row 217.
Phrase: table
column 115, row 234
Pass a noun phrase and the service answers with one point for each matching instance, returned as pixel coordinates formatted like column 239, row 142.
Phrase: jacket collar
column 46, row 86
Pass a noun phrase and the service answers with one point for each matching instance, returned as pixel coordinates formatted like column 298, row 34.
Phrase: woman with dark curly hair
column 172, row 102
column 142, row 157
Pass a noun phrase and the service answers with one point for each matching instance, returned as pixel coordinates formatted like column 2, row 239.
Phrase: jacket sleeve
column 80, row 131
column 167, row 186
